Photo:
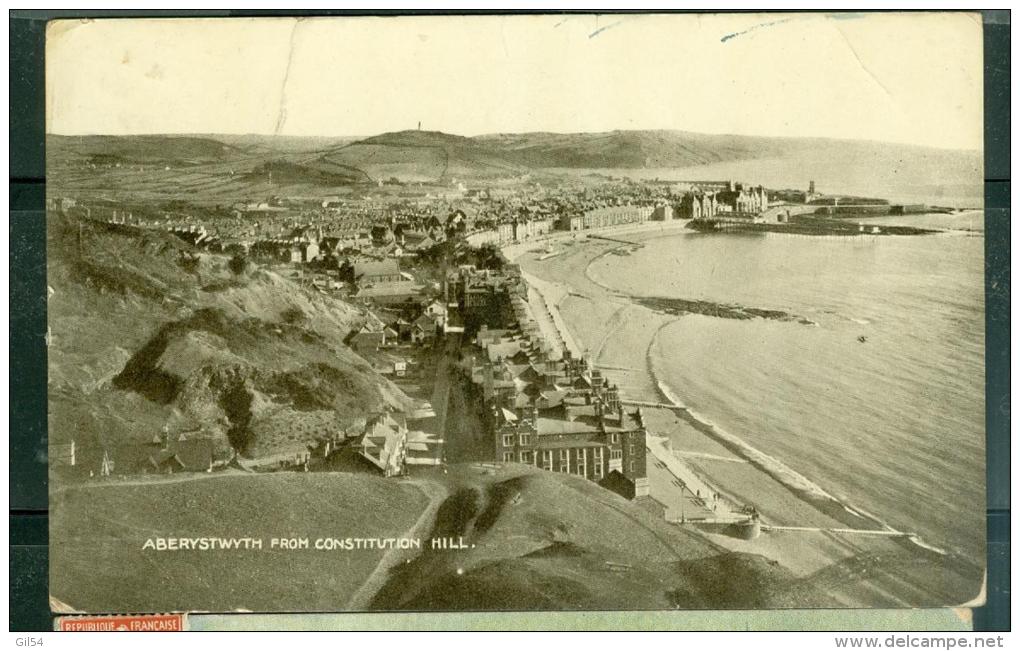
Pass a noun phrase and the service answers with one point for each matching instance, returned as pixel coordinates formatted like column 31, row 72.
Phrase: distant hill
column 217, row 169
column 629, row 149
column 677, row 149
column 905, row 173
column 282, row 144
column 154, row 149
column 424, row 156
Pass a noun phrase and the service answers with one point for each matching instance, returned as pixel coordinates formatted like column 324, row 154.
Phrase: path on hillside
column 363, row 596
column 437, row 493
column 152, row 480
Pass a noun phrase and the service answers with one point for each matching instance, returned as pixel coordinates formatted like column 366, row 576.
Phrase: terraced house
column 604, row 216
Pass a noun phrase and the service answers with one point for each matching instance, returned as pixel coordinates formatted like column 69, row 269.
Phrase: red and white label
column 129, row 623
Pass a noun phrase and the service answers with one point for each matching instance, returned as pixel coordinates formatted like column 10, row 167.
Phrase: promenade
column 543, row 299
column 517, row 249
column 779, row 496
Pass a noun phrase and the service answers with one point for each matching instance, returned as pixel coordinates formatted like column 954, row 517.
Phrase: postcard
column 565, row 312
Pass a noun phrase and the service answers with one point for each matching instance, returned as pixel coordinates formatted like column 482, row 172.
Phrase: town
column 488, row 314
column 445, row 312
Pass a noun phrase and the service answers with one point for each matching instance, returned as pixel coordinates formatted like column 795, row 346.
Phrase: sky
column 908, row 78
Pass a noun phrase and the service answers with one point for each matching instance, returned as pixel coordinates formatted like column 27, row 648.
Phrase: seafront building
column 543, row 407
column 605, row 216
column 698, row 205
column 562, row 417
column 733, row 200
column 740, row 199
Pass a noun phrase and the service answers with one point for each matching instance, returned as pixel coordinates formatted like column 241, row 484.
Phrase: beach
column 826, row 539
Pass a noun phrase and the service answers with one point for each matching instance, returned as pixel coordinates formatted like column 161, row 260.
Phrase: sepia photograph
column 548, row 312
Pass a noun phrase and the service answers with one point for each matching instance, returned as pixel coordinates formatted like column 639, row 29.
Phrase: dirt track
column 362, row 598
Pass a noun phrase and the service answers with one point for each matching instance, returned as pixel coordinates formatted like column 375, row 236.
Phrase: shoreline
column 546, row 288
column 516, row 250
column 789, row 501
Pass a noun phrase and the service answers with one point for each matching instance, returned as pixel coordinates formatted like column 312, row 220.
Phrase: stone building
column 741, row 199
column 698, row 205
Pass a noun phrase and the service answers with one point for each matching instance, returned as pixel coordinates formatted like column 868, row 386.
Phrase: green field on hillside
column 97, row 562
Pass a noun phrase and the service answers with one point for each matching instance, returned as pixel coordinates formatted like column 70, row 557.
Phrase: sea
column 875, row 392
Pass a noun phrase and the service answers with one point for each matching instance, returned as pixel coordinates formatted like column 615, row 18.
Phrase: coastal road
column 540, row 313
column 545, row 308
column 693, row 493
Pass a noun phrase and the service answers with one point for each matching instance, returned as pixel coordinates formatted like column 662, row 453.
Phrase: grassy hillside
column 208, row 171
column 318, row 173
column 97, row 532
column 538, row 540
column 147, row 332
column 281, row 144
column 535, row 540
column 423, row 156
column 124, row 150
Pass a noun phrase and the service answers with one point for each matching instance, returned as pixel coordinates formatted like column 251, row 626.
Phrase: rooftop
column 387, row 267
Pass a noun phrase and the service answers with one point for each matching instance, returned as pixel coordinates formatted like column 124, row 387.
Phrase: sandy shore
column 617, row 335
column 544, row 299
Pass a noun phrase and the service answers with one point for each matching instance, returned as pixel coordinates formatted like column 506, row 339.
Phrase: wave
column 923, row 545
column 837, row 314
column 655, row 387
column 786, row 475
column 775, row 467
column 769, row 464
